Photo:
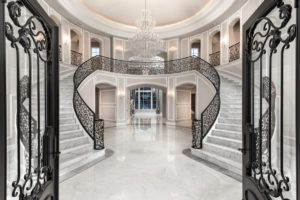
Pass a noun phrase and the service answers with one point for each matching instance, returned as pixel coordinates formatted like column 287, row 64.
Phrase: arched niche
column 76, row 47
column 215, row 48
column 234, row 40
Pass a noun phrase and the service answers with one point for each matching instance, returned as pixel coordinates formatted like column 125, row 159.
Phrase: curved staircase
column 77, row 152
column 222, row 143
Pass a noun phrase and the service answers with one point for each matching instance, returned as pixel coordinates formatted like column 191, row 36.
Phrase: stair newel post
column 197, row 134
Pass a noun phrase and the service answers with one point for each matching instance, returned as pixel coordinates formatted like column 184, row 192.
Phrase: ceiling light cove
column 173, row 18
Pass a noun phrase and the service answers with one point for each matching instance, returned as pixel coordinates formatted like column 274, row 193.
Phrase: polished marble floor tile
column 148, row 164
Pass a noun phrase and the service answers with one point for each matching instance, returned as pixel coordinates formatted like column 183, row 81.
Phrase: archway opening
column 106, row 104
column 185, row 104
column 76, row 53
column 234, row 40
column 215, row 50
column 196, row 48
column 147, row 103
column 95, row 47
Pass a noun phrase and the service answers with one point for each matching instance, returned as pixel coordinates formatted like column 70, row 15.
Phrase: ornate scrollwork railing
column 76, row 58
column 94, row 127
column 268, row 37
column 234, row 52
column 214, row 58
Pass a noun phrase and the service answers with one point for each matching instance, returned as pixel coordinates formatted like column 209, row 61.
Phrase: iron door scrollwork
column 268, row 35
column 33, row 38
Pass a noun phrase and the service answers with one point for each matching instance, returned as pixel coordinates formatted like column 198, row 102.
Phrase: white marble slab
column 148, row 164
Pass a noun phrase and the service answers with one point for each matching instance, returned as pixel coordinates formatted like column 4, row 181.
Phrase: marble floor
column 148, row 164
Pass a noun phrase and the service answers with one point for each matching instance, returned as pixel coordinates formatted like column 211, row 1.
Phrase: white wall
column 108, row 104
column 169, row 83
column 85, row 36
column 183, row 104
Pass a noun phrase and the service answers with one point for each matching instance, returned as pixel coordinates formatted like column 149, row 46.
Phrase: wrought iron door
column 270, row 92
column 29, row 102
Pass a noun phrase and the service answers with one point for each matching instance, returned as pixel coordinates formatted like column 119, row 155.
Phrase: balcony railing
column 76, row 58
column 214, row 58
column 95, row 127
column 234, row 52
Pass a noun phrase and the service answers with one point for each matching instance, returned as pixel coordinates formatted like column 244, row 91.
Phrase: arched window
column 95, row 48
column 196, row 48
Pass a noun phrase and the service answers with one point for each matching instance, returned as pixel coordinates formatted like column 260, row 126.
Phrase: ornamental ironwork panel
column 76, row 58
column 234, row 52
column 215, row 58
column 269, row 103
column 30, row 41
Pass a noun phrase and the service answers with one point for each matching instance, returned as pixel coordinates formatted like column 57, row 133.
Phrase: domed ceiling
column 173, row 17
column 165, row 12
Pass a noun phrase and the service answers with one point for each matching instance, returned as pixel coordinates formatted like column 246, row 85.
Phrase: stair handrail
column 95, row 127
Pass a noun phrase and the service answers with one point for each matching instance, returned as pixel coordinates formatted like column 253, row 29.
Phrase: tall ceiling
column 174, row 18
column 165, row 12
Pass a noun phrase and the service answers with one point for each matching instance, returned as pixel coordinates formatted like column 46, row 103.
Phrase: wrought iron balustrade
column 95, row 127
column 234, row 52
column 214, row 58
column 76, row 58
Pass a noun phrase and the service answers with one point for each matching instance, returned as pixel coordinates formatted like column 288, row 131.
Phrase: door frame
column 266, row 7
column 53, row 117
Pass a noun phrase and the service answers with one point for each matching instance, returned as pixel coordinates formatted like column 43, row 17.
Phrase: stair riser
column 235, row 156
column 229, row 127
column 225, row 143
column 74, row 143
column 228, row 135
column 69, row 127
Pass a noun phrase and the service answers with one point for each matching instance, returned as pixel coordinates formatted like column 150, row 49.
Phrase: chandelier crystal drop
column 145, row 44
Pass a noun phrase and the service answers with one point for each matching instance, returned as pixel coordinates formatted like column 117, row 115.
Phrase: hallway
column 148, row 164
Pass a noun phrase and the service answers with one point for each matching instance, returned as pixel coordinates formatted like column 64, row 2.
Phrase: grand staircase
column 76, row 148
column 222, row 143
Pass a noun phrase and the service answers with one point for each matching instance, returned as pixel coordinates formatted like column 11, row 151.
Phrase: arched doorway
column 196, row 48
column 76, row 48
column 147, row 104
column 185, row 104
column 234, row 40
column 215, row 48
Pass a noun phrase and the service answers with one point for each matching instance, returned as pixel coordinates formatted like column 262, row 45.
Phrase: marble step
column 231, row 115
column 225, row 142
column 224, row 152
column 229, row 127
column 227, row 134
column 231, row 110
column 75, row 152
column 65, row 121
column 80, row 163
column 67, row 144
column 65, row 135
column 235, row 167
column 69, row 127
column 230, row 120
column 66, row 115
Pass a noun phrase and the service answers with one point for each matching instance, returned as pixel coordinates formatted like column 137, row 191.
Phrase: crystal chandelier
column 145, row 44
